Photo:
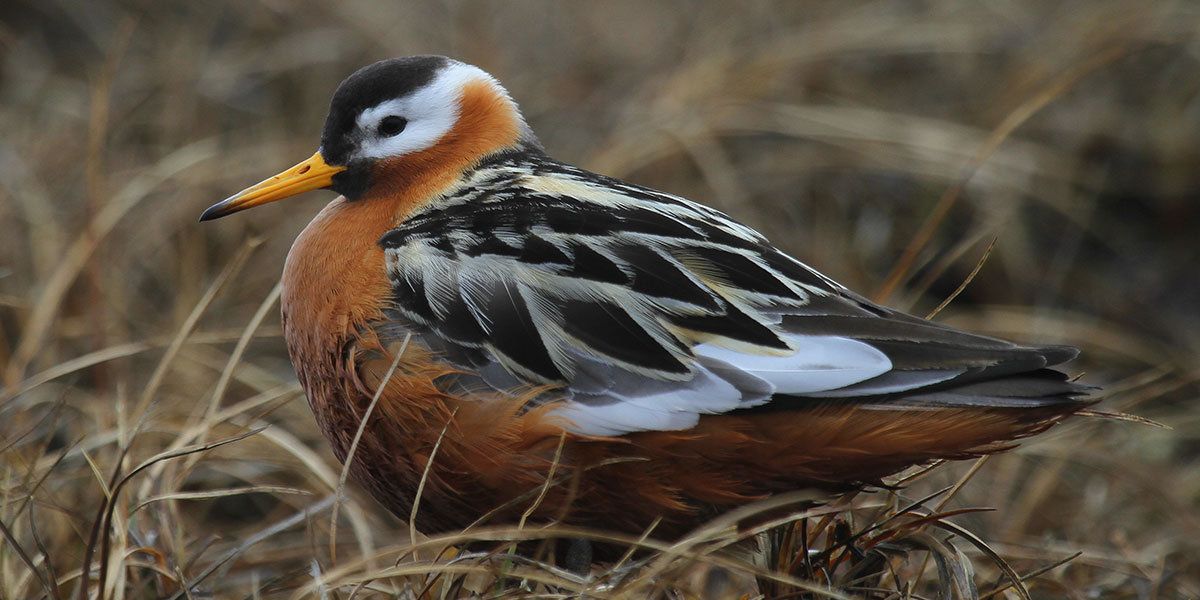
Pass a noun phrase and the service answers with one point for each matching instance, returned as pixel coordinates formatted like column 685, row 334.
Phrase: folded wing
column 645, row 311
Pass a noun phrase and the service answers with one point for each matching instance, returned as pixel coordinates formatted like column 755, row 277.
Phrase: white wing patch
column 821, row 364
column 674, row 408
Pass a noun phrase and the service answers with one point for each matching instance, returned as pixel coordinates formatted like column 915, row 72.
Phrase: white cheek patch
column 431, row 113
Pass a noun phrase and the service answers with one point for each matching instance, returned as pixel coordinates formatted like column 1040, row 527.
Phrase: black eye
column 391, row 125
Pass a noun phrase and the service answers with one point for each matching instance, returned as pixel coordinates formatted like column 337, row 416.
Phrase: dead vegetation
column 153, row 430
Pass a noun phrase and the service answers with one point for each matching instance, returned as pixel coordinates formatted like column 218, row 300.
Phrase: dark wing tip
column 1033, row 389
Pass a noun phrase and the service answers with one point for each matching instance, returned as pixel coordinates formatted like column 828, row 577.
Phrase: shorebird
column 569, row 347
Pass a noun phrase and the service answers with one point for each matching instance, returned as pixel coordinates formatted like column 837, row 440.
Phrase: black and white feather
column 646, row 310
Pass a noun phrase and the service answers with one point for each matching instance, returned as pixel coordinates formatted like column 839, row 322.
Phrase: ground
column 886, row 143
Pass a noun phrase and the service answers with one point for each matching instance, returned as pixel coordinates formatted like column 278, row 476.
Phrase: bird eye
column 392, row 125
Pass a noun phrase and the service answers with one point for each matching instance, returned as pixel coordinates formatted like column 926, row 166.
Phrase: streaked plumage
column 533, row 300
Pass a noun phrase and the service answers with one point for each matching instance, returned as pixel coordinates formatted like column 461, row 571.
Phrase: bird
column 528, row 340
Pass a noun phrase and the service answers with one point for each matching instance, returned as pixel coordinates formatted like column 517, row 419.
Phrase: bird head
column 396, row 122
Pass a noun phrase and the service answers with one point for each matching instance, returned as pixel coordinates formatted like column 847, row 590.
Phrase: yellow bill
column 312, row 174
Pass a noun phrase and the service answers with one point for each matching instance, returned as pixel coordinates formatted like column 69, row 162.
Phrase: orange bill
column 312, row 174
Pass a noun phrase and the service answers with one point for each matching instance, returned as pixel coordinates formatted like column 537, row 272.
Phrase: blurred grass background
column 1068, row 131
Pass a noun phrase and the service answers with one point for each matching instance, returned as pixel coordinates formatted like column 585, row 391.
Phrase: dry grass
column 153, row 430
